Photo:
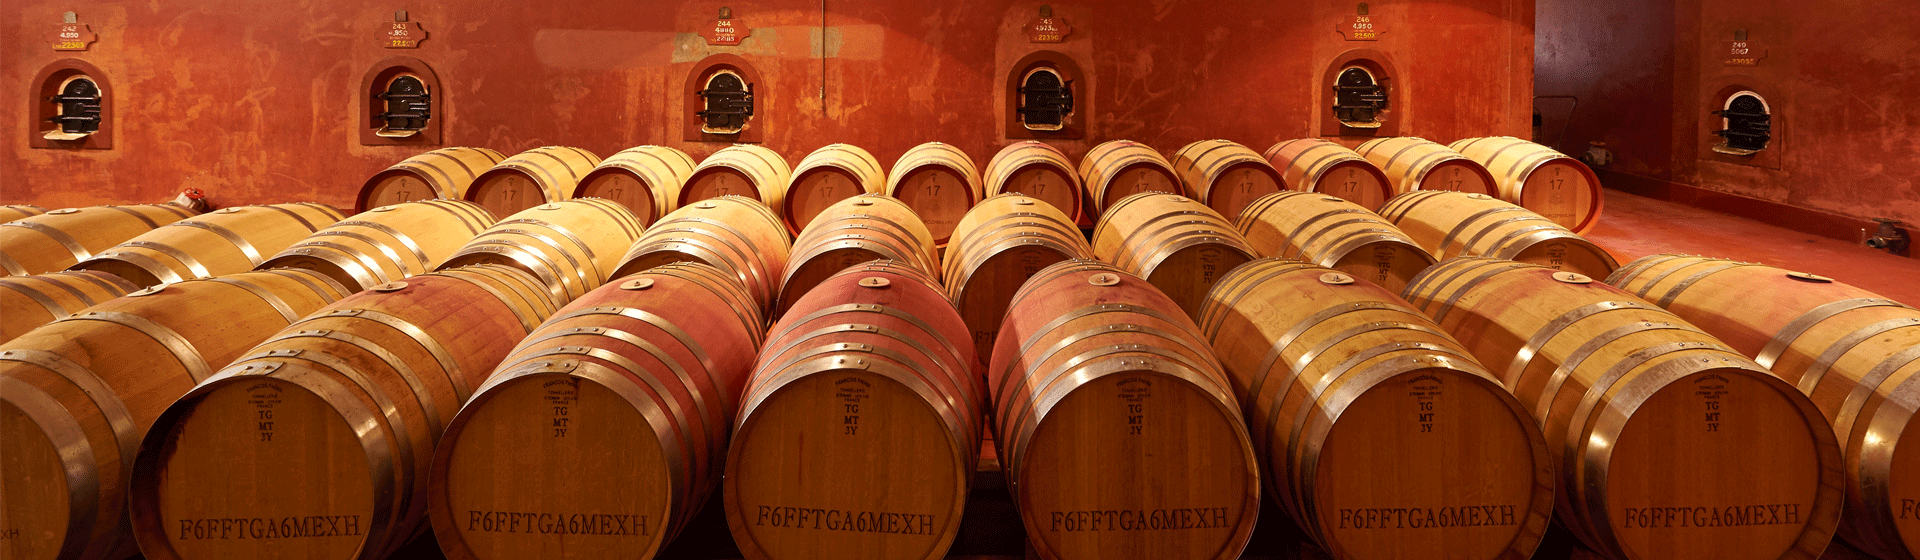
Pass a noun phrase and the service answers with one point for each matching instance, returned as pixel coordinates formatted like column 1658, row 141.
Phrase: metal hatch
column 77, row 109
column 1358, row 98
column 1747, row 124
column 729, row 103
column 409, row 105
column 1046, row 100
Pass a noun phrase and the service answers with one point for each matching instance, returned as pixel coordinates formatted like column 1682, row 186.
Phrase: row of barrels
column 1068, row 373
column 941, row 183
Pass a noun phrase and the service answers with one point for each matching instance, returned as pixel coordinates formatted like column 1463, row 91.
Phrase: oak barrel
column 635, row 386
column 58, row 239
column 221, row 242
column 744, row 169
column 1855, row 353
column 386, row 243
column 853, row 231
column 1540, row 179
column 1179, row 245
column 996, row 247
column 11, row 212
column 1333, row 233
column 1117, row 430
column 531, row 178
column 1321, row 166
column 827, row 176
column 26, row 302
column 1358, row 407
column 1036, row 169
column 76, row 396
column 1418, row 164
column 1117, row 169
column 733, row 233
column 1225, row 175
column 316, row 444
column 939, row 182
column 645, row 179
column 571, row 246
column 442, row 173
column 1452, row 224
column 861, row 425
column 1670, row 445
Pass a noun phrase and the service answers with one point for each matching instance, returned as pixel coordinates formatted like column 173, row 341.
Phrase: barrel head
column 715, row 182
column 1355, row 181
column 395, row 186
column 1571, row 254
column 815, row 190
column 622, row 186
column 845, row 464
column 1903, row 486
column 35, row 489
column 1458, row 175
column 1190, row 272
column 816, row 270
column 1390, row 264
column 1561, row 190
column 1239, row 186
column 938, row 195
column 506, row 191
column 1135, row 179
column 983, row 299
column 1042, row 180
column 1138, row 464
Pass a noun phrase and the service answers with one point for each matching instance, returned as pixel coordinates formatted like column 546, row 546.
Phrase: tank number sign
column 71, row 37
column 1745, row 53
column 402, row 35
column 1361, row 28
column 1048, row 30
column 726, row 31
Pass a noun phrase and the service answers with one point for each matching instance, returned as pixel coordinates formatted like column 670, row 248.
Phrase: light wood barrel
column 388, row 243
column 742, row 169
column 1855, row 353
column 1320, row 166
column 572, row 246
column 1418, row 164
column 1333, row 233
column 1036, row 169
column 1225, row 175
column 316, row 444
column 1117, row 430
column 1452, row 224
column 1671, row 445
column 939, row 182
column 221, row 242
column 635, row 386
column 1540, row 179
column 58, row 239
column 645, row 179
column 1358, row 406
column 442, row 173
column 76, row 396
column 11, row 212
column 531, row 178
column 1179, row 245
column 733, row 233
column 856, row 230
column 26, row 302
column 999, row 245
column 1117, row 169
column 861, row 425
column 827, row 176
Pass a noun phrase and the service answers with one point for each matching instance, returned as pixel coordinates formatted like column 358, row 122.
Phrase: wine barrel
column 11, row 212
column 570, row 245
column 1117, row 430
column 442, row 173
column 531, row 178
column 58, row 239
column 1417, row 164
column 853, row 231
column 217, row 243
column 1671, row 445
column 1225, row 175
column 316, row 444
column 1179, row 245
column 939, row 183
column 1036, row 169
column 742, row 169
column 1117, row 169
column 645, row 179
column 1540, row 179
column 1357, row 406
column 1320, row 166
column 26, row 302
column 733, row 233
column 640, row 382
column 1855, row 353
column 861, row 425
column 1451, row 224
column 1333, row 233
column 76, row 396
column 996, row 247
column 388, row 243
column 827, row 176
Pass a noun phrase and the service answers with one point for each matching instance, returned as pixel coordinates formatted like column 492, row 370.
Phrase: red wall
column 1840, row 77
column 254, row 101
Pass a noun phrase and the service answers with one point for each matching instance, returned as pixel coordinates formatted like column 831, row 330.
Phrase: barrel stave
column 56, row 240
